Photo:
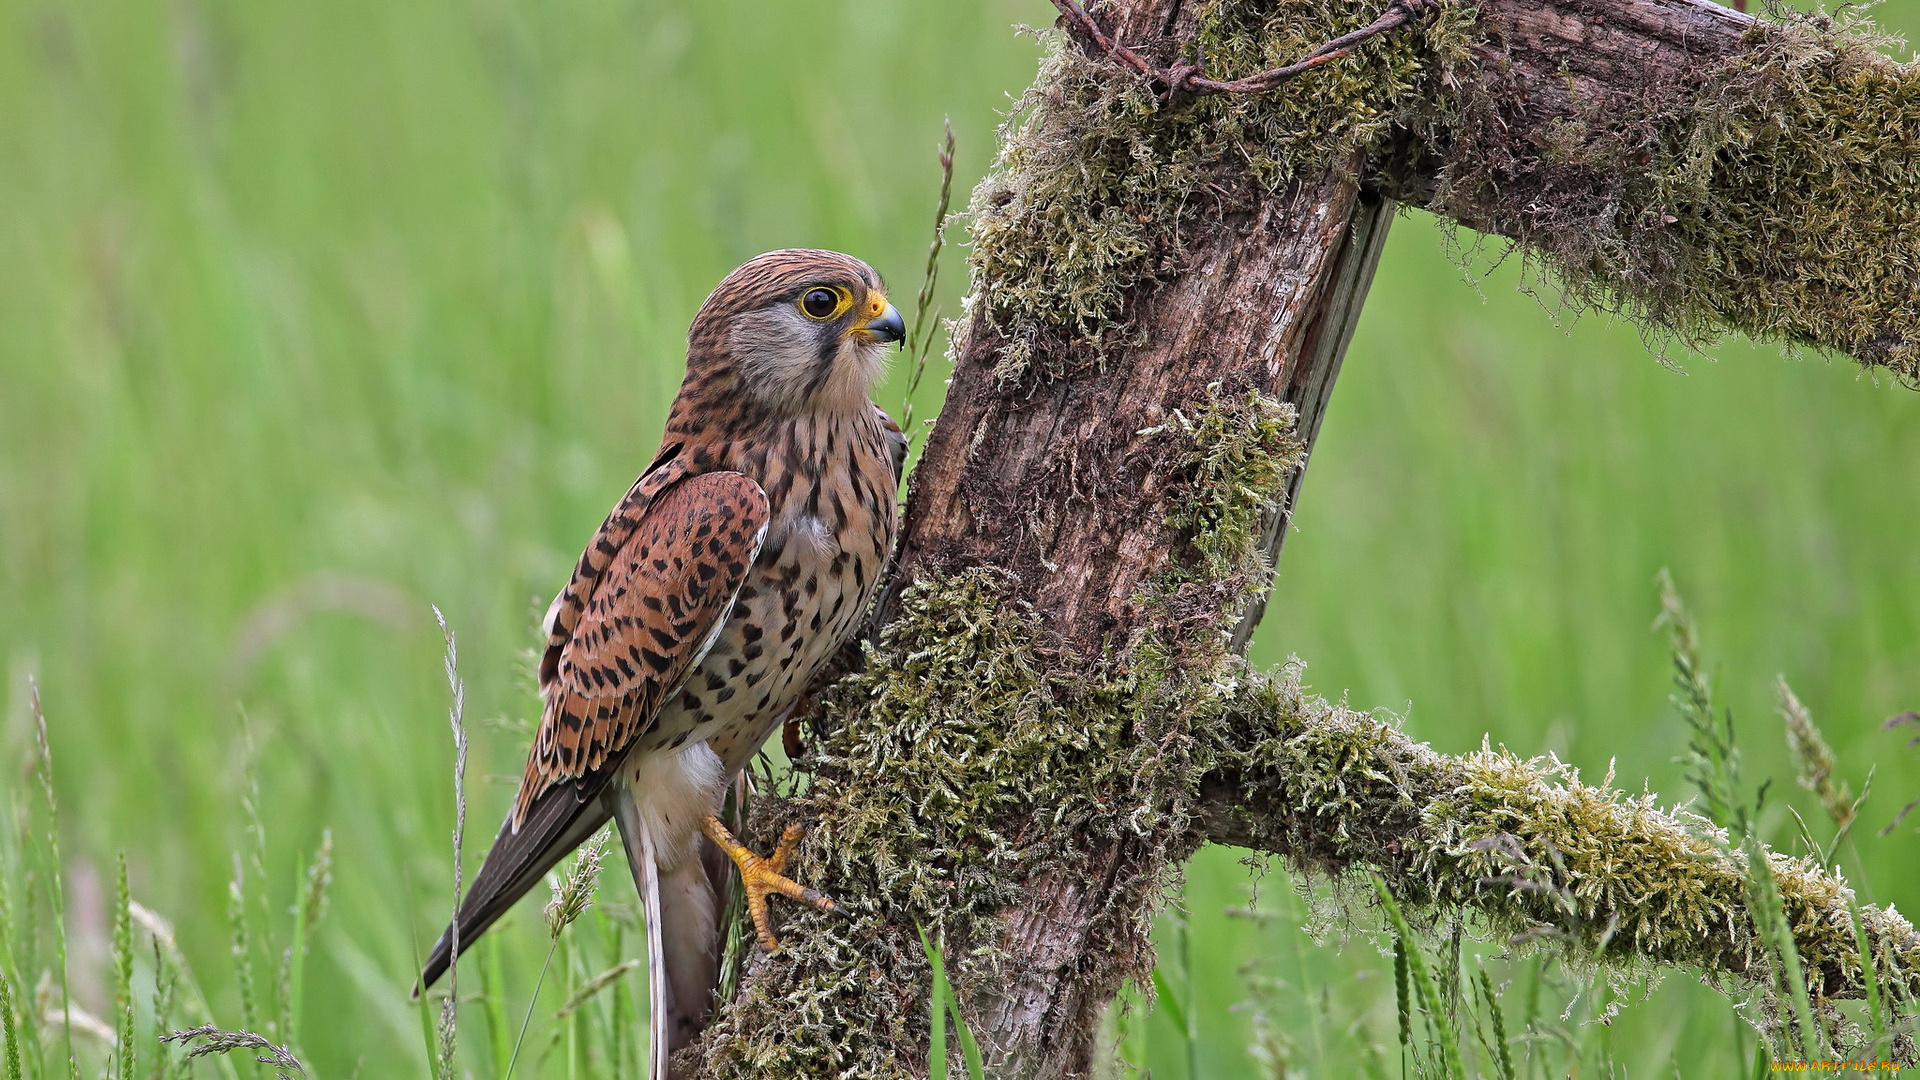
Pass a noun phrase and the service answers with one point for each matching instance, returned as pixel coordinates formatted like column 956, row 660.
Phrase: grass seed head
column 573, row 893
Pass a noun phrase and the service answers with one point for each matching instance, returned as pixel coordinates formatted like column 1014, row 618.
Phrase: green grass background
column 312, row 315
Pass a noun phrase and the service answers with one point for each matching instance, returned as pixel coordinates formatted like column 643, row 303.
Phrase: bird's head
column 799, row 329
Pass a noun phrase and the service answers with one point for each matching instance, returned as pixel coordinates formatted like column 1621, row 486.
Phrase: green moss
column 1243, row 449
column 1771, row 193
column 1524, row 851
column 972, row 758
column 968, row 757
column 1097, row 185
column 971, row 754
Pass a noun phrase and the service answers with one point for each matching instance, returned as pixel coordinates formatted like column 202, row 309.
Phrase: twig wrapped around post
column 1190, row 79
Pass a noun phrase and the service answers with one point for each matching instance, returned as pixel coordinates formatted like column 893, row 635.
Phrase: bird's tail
column 682, row 922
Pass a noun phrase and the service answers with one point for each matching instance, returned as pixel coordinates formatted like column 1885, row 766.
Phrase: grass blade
column 1168, row 1000
column 419, row 964
column 937, row 1042
column 969, row 1049
column 1424, row 984
column 493, row 1000
column 56, row 883
column 920, row 341
column 123, row 975
column 1870, row 978
column 943, row 992
column 11, row 1035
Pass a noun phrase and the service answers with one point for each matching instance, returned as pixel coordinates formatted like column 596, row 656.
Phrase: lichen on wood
column 1523, row 851
column 967, row 756
column 971, row 756
column 1760, row 181
column 1097, row 183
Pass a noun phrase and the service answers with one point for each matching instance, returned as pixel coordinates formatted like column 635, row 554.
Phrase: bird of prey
column 733, row 569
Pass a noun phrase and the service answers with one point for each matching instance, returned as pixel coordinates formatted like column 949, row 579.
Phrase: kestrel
column 735, row 567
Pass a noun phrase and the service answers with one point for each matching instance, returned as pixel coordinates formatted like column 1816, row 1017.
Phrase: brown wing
column 655, row 609
column 570, row 604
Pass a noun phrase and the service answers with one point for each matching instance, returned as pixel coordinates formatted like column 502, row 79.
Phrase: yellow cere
column 876, row 304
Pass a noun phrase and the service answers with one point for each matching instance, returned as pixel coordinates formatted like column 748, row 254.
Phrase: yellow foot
column 761, row 877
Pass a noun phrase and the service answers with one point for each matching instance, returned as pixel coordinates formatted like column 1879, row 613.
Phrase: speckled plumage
column 742, row 559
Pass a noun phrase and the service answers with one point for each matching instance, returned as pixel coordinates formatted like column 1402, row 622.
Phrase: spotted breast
column 830, row 483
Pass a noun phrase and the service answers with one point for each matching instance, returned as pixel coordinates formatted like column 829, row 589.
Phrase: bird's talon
column 761, row 877
column 789, row 840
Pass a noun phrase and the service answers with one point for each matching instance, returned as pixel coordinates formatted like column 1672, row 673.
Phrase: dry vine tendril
column 1188, row 79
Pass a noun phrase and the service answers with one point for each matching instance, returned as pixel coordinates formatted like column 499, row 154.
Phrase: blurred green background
column 312, row 315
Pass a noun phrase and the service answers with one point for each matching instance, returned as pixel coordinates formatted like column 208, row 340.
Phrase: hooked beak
column 887, row 326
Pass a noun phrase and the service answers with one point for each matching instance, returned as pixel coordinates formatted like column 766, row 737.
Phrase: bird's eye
column 820, row 303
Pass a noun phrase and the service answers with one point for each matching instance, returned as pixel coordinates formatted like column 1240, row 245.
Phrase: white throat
column 778, row 353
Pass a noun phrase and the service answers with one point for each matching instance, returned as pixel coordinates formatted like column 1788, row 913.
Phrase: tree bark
column 1009, row 479
column 1268, row 304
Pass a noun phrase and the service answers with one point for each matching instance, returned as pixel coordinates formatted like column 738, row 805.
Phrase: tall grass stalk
column 240, row 945
column 1713, row 765
column 255, row 902
column 572, row 895
column 450, row 1011
column 1499, row 1051
column 8, row 1032
column 925, row 320
column 308, row 908
column 9, row 976
column 56, row 878
column 1425, row 985
column 165, row 984
column 123, row 974
column 533, row 999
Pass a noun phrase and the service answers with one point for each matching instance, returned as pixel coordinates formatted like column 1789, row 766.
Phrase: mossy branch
column 975, row 761
column 1682, row 164
column 1523, row 848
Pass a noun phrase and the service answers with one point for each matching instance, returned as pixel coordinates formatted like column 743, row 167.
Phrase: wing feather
column 666, row 469
column 654, row 608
